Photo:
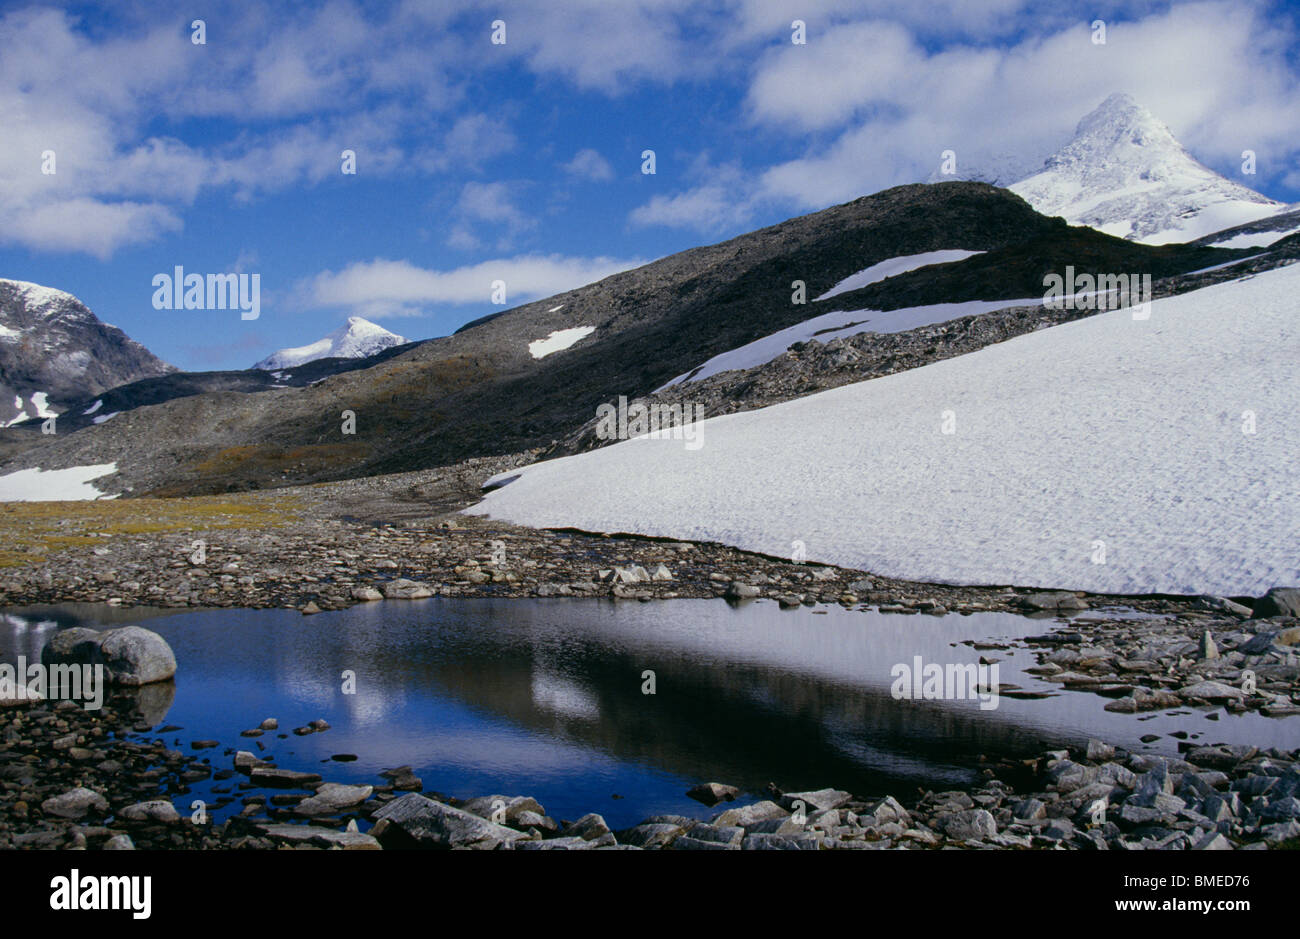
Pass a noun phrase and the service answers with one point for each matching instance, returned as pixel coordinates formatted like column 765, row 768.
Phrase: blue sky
column 522, row 162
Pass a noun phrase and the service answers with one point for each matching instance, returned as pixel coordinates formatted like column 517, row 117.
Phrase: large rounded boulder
column 130, row 655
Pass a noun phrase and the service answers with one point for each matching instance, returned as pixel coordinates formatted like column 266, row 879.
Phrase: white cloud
column 492, row 205
column 382, row 287
column 771, row 19
column 293, row 96
column 602, row 46
column 86, row 225
column 589, row 164
column 725, row 200
column 472, row 140
column 490, row 202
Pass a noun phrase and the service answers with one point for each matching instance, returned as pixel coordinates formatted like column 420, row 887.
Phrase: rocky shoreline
column 1148, row 652
column 332, row 545
column 75, row 779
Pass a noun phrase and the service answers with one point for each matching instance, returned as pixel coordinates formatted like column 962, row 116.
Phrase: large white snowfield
column 1111, row 454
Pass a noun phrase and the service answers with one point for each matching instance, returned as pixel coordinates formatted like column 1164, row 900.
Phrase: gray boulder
column 591, row 827
column 136, row 656
column 333, row 797
column 281, row 778
column 514, row 807
column 884, row 812
column 740, row 591
column 650, row 835
column 711, row 793
column 687, row 843
column 403, row 589
column 967, row 825
column 321, row 837
column 567, row 843
column 771, row 842
column 1055, row 600
column 75, row 803
column 130, row 655
column 157, row 811
column 77, row 643
column 818, row 800
column 427, row 824
column 1211, row 691
column 747, row 815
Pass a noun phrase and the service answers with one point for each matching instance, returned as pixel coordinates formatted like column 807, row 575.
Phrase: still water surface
column 544, row 697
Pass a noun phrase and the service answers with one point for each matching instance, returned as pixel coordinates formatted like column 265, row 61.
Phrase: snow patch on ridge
column 65, row 485
column 40, row 401
column 839, row 324
column 557, row 340
column 1258, row 239
column 893, row 267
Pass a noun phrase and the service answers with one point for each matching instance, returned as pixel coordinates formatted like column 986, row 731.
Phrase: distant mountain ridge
column 358, row 338
column 54, row 350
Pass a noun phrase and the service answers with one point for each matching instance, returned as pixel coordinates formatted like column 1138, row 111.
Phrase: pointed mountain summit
column 1125, row 174
column 356, row 339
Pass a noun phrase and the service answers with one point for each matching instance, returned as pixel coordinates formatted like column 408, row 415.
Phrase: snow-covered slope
column 356, row 339
column 1126, row 175
column 1107, row 433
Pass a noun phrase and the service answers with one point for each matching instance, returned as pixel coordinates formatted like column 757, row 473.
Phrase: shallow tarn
column 545, row 698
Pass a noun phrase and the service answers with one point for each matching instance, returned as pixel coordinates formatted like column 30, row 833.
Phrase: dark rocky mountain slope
column 481, row 392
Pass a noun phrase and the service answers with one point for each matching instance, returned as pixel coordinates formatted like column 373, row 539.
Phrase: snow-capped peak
column 356, row 339
column 39, row 298
column 1124, row 173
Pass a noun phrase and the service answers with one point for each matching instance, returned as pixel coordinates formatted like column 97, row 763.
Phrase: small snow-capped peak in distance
column 356, row 339
column 1124, row 173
